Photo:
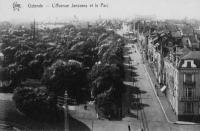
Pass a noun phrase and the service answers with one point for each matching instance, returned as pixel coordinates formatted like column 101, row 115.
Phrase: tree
column 36, row 104
column 17, row 73
column 9, row 53
column 107, row 89
column 24, row 57
column 68, row 76
column 35, row 69
column 4, row 74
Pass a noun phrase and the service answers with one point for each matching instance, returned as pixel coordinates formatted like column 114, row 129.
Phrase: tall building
column 188, row 106
column 181, row 85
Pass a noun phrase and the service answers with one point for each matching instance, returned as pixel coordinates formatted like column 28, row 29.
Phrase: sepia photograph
column 99, row 65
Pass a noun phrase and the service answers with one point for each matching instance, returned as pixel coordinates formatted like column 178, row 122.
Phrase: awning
column 163, row 88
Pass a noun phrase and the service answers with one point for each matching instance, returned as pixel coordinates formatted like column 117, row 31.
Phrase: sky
column 162, row 9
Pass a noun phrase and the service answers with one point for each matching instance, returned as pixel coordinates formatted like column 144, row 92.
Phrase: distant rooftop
column 187, row 30
column 192, row 55
column 171, row 27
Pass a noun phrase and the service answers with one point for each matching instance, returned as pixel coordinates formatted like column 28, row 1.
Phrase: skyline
column 162, row 9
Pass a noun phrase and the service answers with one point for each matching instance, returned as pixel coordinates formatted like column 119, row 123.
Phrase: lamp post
column 66, row 112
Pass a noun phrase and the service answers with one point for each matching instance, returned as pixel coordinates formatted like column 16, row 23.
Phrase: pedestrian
column 129, row 128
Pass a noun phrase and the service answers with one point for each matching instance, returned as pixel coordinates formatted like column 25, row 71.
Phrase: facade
column 170, row 87
column 189, row 83
column 181, row 84
column 154, row 57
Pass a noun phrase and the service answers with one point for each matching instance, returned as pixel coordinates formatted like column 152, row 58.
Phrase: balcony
column 189, row 83
column 196, row 98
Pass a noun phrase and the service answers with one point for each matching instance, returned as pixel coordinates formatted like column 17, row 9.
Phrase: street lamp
column 66, row 111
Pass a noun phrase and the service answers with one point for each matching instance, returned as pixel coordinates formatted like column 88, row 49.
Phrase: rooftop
column 187, row 30
column 192, row 55
column 171, row 27
column 183, row 51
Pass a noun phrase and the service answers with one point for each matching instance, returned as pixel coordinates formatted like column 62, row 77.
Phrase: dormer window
column 189, row 64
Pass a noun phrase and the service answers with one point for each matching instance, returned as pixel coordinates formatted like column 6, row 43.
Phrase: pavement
column 168, row 110
column 86, row 120
column 150, row 111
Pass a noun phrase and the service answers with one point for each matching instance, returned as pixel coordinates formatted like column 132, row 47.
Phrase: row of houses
column 174, row 56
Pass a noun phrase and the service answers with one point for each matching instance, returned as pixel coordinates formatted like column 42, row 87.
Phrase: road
column 150, row 111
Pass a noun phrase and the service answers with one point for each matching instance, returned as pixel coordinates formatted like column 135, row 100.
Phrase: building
column 188, row 107
column 190, row 37
column 181, row 82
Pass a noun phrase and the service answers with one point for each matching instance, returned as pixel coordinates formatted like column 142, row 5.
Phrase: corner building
column 188, row 107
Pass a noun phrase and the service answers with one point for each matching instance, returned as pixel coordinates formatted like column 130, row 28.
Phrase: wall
column 172, row 84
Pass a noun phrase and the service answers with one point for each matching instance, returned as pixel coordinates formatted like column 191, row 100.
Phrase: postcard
column 99, row 65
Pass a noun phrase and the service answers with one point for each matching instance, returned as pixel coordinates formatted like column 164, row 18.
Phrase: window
column 188, row 107
column 188, row 77
column 189, row 64
column 188, row 92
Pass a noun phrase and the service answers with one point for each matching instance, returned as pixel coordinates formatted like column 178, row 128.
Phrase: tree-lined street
column 149, row 110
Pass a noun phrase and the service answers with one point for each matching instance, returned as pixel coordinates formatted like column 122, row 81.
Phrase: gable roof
column 192, row 55
column 182, row 51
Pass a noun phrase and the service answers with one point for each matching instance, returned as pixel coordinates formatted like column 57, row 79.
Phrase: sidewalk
column 164, row 101
column 85, row 120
